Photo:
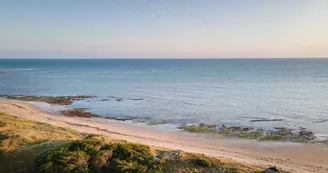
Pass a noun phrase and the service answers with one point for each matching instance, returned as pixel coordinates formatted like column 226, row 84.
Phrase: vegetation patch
column 301, row 141
column 271, row 138
column 201, row 161
column 22, row 140
column 91, row 155
column 178, row 161
column 2, row 124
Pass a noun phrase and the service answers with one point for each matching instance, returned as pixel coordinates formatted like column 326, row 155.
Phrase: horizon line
column 139, row 58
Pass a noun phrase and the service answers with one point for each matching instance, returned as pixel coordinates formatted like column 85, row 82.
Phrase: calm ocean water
column 221, row 91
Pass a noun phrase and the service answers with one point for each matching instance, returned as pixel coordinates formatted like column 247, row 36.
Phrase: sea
column 261, row 93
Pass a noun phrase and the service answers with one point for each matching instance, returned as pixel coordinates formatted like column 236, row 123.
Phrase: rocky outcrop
column 80, row 112
column 60, row 100
column 277, row 134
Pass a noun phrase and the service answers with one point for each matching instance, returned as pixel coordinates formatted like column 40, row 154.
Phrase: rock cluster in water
column 278, row 134
column 80, row 112
column 60, row 100
column 63, row 100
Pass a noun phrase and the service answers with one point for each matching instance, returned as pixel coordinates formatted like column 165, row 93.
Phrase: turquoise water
column 220, row 91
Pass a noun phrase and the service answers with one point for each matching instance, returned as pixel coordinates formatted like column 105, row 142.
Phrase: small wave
column 321, row 121
column 97, row 72
column 321, row 137
column 122, row 98
column 25, row 69
column 50, row 108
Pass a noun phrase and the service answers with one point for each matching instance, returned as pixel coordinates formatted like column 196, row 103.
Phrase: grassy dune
column 21, row 141
column 28, row 146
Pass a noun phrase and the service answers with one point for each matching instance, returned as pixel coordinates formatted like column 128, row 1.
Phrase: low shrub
column 90, row 155
column 201, row 161
column 88, row 145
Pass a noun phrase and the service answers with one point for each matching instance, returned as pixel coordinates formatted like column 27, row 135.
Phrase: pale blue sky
column 163, row 29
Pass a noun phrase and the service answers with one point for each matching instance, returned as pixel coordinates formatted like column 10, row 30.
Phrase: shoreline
column 288, row 156
column 61, row 105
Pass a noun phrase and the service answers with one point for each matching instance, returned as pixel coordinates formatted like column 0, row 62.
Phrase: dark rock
column 79, row 112
column 235, row 128
column 271, row 170
column 247, row 129
column 115, row 118
column 202, row 125
column 153, row 123
column 211, row 126
column 282, row 131
column 136, row 99
column 307, row 135
column 119, row 99
column 104, row 100
column 260, row 120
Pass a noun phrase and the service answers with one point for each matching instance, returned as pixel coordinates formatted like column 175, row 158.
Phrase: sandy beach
column 294, row 157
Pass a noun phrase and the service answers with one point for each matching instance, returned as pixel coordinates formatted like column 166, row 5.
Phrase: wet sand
column 288, row 156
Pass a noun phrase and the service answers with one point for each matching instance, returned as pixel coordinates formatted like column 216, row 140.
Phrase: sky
column 163, row 29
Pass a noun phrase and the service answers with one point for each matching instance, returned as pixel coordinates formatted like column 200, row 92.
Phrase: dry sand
column 293, row 157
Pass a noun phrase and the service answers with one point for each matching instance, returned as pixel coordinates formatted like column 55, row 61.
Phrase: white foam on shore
column 321, row 137
column 50, row 108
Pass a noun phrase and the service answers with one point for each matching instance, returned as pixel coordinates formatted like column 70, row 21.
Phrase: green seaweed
column 271, row 138
column 201, row 128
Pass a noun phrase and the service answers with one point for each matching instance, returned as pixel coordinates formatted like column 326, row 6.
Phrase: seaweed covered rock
column 59, row 100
